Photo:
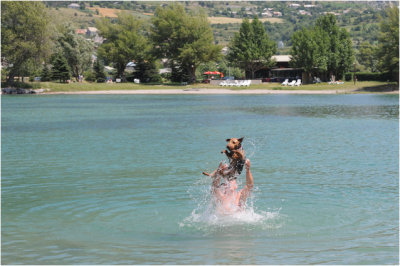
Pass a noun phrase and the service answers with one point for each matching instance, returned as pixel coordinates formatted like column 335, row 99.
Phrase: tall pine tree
column 98, row 68
column 61, row 70
column 251, row 49
column 46, row 74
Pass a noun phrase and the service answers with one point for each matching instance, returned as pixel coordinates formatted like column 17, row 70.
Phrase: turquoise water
column 116, row 179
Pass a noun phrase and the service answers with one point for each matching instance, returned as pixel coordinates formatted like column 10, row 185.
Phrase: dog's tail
column 207, row 174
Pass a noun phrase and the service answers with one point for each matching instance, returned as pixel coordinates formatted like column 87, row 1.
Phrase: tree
column 345, row 50
column 76, row 49
column 309, row 52
column 98, row 68
column 124, row 41
column 185, row 39
column 388, row 46
column 25, row 36
column 147, row 71
column 323, row 49
column 367, row 56
column 340, row 53
column 46, row 74
column 251, row 49
column 60, row 70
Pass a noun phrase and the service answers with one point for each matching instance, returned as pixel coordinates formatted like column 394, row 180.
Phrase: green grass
column 347, row 87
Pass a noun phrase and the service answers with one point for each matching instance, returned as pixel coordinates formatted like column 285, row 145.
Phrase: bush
column 369, row 76
column 89, row 76
column 166, row 77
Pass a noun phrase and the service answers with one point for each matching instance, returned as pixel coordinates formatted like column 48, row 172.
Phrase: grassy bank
column 347, row 87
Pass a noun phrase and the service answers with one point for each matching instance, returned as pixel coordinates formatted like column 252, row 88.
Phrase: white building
column 74, row 5
column 294, row 5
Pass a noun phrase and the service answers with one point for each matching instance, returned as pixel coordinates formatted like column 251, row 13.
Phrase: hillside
column 281, row 19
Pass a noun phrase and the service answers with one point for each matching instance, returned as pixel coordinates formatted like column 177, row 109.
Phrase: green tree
column 323, row 49
column 46, row 74
column 185, row 38
column 251, row 49
column 309, row 52
column 388, row 46
column 367, row 56
column 60, row 70
column 147, row 71
column 125, row 41
column 25, row 36
column 340, row 54
column 76, row 49
column 98, row 68
column 346, row 52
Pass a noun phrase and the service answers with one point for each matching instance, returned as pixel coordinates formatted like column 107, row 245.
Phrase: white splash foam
column 207, row 217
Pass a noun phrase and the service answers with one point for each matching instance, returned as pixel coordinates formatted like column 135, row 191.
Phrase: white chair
column 285, row 83
column 248, row 82
column 223, row 83
column 292, row 83
column 298, row 82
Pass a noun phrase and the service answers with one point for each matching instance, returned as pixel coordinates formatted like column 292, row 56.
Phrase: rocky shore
column 21, row 91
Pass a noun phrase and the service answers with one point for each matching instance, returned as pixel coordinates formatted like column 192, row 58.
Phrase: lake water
column 116, row 179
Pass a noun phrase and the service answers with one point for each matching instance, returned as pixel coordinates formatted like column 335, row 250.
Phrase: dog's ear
column 227, row 140
column 241, row 139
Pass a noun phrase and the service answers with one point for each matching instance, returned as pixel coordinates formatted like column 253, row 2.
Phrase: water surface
column 116, row 179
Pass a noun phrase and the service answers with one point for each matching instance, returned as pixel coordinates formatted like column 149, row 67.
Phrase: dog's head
column 234, row 144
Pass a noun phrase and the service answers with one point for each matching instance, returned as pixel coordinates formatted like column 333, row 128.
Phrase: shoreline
column 212, row 92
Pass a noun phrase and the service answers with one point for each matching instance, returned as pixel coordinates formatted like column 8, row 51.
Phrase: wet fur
column 236, row 157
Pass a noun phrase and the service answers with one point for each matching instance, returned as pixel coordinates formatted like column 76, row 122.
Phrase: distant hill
column 281, row 19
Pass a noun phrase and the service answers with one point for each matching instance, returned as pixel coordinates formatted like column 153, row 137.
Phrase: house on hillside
column 80, row 31
column 98, row 40
column 91, row 31
column 74, row 6
column 303, row 13
column 294, row 5
column 266, row 14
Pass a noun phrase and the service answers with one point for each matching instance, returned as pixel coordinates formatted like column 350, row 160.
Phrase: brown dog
column 236, row 157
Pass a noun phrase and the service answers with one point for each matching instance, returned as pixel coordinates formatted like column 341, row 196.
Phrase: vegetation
column 125, row 42
column 75, row 48
column 99, row 75
column 322, row 49
column 388, row 47
column 61, row 70
column 185, row 39
column 251, row 49
column 40, row 38
column 25, row 37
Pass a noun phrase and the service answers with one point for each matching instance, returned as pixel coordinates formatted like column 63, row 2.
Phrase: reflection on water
column 340, row 111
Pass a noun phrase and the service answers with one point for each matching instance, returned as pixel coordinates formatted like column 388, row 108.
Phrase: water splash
column 253, row 145
column 206, row 216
